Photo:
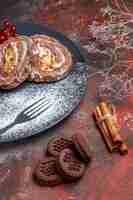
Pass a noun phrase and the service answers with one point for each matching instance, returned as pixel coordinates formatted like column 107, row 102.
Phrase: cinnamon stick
column 110, row 123
column 104, row 131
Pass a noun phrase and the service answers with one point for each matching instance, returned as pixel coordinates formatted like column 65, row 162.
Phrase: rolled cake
column 49, row 59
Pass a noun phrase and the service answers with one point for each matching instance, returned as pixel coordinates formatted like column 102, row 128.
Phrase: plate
column 33, row 108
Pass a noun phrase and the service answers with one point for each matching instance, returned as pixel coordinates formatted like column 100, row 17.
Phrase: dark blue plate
column 46, row 104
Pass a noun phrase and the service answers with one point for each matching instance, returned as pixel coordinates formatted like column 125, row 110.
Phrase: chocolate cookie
column 46, row 173
column 82, row 147
column 69, row 166
column 57, row 144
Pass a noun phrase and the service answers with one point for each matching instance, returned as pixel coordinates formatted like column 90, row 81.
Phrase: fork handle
column 3, row 130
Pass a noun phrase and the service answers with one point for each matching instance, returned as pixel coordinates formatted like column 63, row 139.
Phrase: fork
column 29, row 113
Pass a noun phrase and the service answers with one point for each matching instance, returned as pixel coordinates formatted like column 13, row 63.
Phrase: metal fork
column 29, row 113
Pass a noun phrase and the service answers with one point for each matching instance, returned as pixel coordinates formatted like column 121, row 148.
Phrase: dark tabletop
column 105, row 30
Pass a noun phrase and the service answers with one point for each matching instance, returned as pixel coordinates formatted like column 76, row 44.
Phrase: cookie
column 69, row 166
column 82, row 147
column 57, row 144
column 46, row 172
column 50, row 60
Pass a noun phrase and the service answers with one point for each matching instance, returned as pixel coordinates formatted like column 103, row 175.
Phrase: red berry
column 8, row 28
column 13, row 30
column 2, row 37
column 6, row 23
column 6, row 33
column 9, row 31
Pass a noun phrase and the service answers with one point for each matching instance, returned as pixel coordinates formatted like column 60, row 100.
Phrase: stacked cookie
column 66, row 160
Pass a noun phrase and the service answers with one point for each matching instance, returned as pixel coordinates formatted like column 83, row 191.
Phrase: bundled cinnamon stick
column 110, row 123
column 104, row 131
column 107, row 124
